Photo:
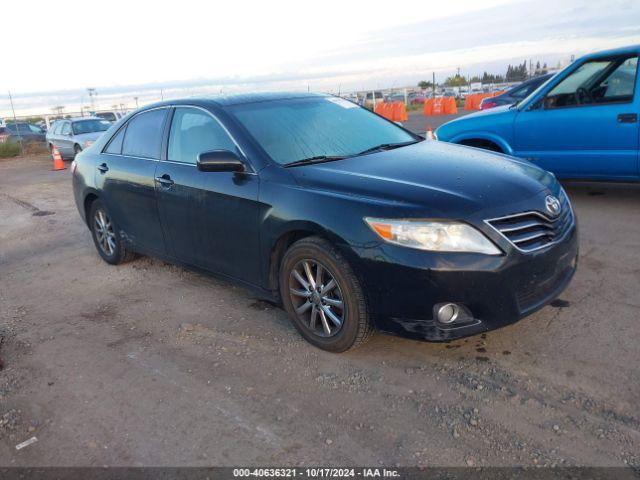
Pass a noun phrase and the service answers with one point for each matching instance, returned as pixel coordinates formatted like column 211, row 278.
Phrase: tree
column 491, row 78
column 517, row 73
column 423, row 84
column 455, row 81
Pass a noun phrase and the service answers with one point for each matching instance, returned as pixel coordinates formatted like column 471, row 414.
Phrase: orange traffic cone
column 58, row 163
column 429, row 135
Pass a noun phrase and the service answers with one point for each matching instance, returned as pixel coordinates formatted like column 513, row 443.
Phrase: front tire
column 76, row 150
column 323, row 297
column 106, row 235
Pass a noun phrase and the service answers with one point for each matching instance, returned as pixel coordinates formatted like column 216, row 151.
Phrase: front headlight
column 437, row 236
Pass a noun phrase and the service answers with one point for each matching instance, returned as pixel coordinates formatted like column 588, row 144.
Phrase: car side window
column 55, row 129
column 115, row 144
column 66, row 128
column 596, row 82
column 143, row 137
column 193, row 132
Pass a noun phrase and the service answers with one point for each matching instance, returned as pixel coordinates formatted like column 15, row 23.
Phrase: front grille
column 530, row 231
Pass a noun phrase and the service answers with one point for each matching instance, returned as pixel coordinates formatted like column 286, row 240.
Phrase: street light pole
column 15, row 120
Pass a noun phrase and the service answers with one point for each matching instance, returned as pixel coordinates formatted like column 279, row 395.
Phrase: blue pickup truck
column 580, row 124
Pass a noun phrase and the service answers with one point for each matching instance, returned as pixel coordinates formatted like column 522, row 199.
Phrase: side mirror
column 220, row 161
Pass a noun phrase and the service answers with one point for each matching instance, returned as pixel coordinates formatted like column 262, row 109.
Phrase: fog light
column 447, row 313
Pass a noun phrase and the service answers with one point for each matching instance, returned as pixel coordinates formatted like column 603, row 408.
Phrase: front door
column 126, row 175
column 586, row 126
column 209, row 218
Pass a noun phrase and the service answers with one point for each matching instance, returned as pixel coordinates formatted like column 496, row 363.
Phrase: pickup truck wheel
column 323, row 297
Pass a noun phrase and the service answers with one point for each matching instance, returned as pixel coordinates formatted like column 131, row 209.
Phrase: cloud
column 351, row 47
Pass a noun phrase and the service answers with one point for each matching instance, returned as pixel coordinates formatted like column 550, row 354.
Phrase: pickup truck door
column 585, row 124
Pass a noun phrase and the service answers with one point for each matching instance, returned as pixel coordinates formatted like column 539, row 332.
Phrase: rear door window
column 66, row 128
column 143, row 137
column 115, row 145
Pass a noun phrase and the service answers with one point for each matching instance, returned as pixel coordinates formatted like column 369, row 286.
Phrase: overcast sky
column 69, row 45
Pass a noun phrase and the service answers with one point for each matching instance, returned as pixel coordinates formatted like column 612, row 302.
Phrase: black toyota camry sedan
column 348, row 220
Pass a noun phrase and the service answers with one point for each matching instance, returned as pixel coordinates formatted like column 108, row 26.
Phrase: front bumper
column 403, row 286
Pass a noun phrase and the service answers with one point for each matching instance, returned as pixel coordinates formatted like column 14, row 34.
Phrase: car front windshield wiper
column 387, row 146
column 316, row 159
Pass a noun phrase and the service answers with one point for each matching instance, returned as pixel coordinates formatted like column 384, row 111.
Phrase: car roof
column 242, row 98
column 614, row 51
column 225, row 100
column 80, row 119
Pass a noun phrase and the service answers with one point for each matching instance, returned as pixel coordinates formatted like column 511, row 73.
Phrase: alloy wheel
column 317, row 298
column 104, row 232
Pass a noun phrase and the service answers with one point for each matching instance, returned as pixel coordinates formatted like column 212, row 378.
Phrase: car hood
column 445, row 179
column 482, row 114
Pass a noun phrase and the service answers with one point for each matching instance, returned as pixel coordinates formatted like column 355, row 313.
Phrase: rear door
column 126, row 176
column 64, row 140
column 209, row 218
column 586, row 125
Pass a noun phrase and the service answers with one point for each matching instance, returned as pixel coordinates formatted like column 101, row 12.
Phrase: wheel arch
column 483, row 137
column 286, row 237
column 90, row 197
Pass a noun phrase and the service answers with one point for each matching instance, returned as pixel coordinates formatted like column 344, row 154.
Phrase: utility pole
column 92, row 95
column 136, row 99
column 161, row 95
column 15, row 120
column 434, row 85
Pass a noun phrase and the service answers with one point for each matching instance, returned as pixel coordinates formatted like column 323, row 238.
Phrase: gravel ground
column 150, row 364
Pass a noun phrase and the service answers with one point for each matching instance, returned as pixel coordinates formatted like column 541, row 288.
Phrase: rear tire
column 341, row 320
column 106, row 235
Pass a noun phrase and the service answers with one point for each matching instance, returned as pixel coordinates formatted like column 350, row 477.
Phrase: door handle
column 164, row 180
column 628, row 118
column 103, row 168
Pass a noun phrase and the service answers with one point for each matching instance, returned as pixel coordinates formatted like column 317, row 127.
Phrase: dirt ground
column 149, row 364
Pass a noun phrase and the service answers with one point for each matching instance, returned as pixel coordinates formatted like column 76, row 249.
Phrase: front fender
column 481, row 135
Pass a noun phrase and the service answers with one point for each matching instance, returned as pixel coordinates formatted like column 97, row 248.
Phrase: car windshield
column 307, row 128
column 533, row 93
column 90, row 126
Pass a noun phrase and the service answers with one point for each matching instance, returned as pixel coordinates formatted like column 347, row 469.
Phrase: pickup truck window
column 596, row 82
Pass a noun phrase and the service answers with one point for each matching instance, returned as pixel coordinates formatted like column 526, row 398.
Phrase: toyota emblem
column 553, row 205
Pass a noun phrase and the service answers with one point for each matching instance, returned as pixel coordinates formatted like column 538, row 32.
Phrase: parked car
column 394, row 97
column 417, row 98
column 14, row 132
column 111, row 116
column 367, row 99
column 515, row 94
column 347, row 219
column 74, row 135
column 581, row 124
